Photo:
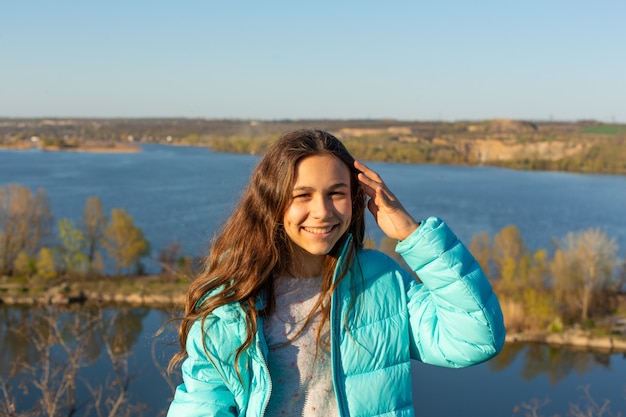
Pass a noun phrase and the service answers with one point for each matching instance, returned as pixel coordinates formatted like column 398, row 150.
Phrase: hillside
column 583, row 146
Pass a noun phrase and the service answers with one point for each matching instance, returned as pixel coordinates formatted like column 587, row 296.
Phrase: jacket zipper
column 335, row 364
column 335, row 338
column 260, row 335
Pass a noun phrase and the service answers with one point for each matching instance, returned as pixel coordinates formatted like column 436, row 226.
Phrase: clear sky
column 407, row 60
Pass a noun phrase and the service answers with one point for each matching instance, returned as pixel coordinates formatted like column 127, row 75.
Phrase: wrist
column 409, row 230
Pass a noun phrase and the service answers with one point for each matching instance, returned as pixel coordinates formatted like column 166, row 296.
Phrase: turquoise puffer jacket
column 381, row 317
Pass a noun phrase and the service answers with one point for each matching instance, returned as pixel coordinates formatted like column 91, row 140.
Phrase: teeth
column 318, row 230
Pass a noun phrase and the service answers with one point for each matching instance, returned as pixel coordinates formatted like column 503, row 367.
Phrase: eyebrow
column 332, row 187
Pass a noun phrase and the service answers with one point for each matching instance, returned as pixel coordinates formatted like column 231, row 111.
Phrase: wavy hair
column 253, row 248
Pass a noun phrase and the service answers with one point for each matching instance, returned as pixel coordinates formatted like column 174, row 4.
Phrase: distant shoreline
column 585, row 146
column 116, row 148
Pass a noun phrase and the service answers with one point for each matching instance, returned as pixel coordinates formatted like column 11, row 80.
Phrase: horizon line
column 310, row 119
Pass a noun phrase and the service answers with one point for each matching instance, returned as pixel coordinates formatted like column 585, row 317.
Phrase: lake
column 181, row 193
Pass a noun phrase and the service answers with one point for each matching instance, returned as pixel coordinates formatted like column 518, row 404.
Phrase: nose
column 321, row 207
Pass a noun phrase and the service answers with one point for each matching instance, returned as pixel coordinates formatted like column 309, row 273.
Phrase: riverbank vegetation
column 583, row 146
column 572, row 296
column 100, row 257
column 579, row 284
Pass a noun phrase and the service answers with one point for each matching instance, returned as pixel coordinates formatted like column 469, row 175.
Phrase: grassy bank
column 146, row 290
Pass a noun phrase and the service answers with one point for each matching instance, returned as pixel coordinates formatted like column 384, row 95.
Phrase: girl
column 294, row 317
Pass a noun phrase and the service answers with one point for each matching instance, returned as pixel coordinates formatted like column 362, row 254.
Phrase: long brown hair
column 253, row 248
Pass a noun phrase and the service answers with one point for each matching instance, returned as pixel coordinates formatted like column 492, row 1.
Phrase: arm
column 203, row 391
column 455, row 317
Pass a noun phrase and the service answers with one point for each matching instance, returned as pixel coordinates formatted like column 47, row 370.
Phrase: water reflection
column 556, row 363
column 47, row 350
column 112, row 353
column 92, row 326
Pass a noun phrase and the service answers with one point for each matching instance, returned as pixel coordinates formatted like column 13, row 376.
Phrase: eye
column 301, row 196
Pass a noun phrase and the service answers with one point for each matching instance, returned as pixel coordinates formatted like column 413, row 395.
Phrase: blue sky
column 407, row 60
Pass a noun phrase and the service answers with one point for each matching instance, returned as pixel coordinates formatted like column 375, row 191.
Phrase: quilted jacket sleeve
column 203, row 391
column 455, row 317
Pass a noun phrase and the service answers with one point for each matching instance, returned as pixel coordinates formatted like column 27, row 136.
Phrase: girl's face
column 320, row 211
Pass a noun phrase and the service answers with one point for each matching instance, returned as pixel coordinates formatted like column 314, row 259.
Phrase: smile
column 319, row 230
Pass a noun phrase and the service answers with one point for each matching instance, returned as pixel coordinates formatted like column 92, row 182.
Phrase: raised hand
column 390, row 215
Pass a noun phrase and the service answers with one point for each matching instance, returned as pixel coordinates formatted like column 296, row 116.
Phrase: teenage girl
column 292, row 316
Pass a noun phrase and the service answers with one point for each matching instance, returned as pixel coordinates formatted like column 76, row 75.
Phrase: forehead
column 321, row 169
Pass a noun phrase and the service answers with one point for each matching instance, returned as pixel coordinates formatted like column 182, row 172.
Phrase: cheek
column 294, row 214
column 346, row 210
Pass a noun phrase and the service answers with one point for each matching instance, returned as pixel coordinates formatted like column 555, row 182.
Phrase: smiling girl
column 292, row 316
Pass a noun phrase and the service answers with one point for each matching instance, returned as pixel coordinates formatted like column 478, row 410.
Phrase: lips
column 319, row 230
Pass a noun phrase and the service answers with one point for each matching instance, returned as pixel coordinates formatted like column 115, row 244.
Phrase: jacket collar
column 342, row 257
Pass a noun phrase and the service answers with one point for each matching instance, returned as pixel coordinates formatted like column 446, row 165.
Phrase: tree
column 45, row 265
column 124, row 242
column 72, row 245
column 480, row 247
column 25, row 222
column 584, row 265
column 24, row 265
column 508, row 252
column 169, row 256
column 97, row 265
column 521, row 280
column 94, row 222
column 539, row 308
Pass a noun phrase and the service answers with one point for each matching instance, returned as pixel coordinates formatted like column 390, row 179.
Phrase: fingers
column 373, row 185
column 390, row 216
column 373, row 208
column 368, row 179
column 367, row 172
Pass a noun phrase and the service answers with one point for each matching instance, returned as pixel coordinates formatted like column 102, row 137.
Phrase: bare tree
column 588, row 407
column 169, row 256
column 584, row 265
column 532, row 407
column 8, row 401
column 592, row 408
column 94, row 222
